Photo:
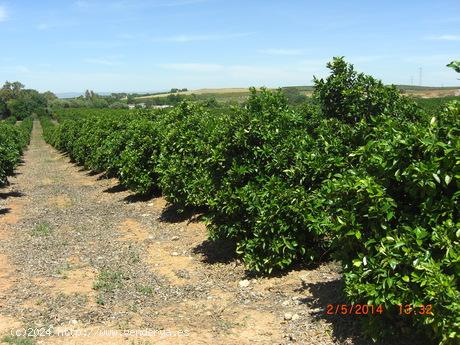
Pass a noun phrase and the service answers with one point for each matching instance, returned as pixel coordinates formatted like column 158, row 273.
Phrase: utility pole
column 411, row 80
column 420, row 77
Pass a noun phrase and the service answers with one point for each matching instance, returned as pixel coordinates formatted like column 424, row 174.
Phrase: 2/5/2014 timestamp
column 354, row 309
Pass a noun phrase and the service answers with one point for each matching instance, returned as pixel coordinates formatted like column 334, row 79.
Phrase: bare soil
column 80, row 253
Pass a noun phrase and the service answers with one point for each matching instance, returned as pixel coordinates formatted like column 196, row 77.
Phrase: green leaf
column 447, row 179
column 390, row 215
column 393, row 263
column 389, row 282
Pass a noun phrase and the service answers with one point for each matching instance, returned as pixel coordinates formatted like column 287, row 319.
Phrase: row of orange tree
column 362, row 174
column 13, row 139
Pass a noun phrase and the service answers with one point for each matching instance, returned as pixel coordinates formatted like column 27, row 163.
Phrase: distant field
column 202, row 92
column 424, row 93
column 237, row 94
column 221, row 95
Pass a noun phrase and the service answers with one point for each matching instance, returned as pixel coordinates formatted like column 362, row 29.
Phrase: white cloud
column 3, row 14
column 444, row 38
column 56, row 24
column 207, row 74
column 367, row 58
column 259, row 72
column 437, row 59
column 22, row 69
column 127, row 36
column 284, row 52
column 313, row 64
column 193, row 67
column 82, row 4
column 124, row 5
column 43, row 26
column 15, row 69
column 195, row 38
column 166, row 3
column 106, row 61
column 181, row 3
column 90, row 44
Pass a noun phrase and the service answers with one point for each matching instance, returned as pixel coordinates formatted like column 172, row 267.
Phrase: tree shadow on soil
column 279, row 273
column 344, row 327
column 85, row 170
column 132, row 198
column 13, row 194
column 177, row 214
column 104, row 175
column 116, row 189
column 66, row 154
column 139, row 198
column 92, row 173
column 4, row 210
column 319, row 296
column 218, row 251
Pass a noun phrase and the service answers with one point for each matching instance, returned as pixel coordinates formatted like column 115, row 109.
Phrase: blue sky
column 135, row 45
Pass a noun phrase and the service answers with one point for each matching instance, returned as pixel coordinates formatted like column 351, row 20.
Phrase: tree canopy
column 19, row 102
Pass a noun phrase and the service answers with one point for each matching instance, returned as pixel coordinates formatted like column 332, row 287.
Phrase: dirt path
column 81, row 255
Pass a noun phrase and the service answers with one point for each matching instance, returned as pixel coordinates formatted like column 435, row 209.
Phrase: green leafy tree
column 89, row 94
column 351, row 96
column 118, row 105
column 49, row 96
column 98, row 102
column 131, row 99
column 28, row 102
column 20, row 103
column 9, row 91
column 455, row 65
column 119, row 95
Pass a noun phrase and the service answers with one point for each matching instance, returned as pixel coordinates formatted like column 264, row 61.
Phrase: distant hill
column 238, row 93
column 78, row 94
column 426, row 88
column 69, row 94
